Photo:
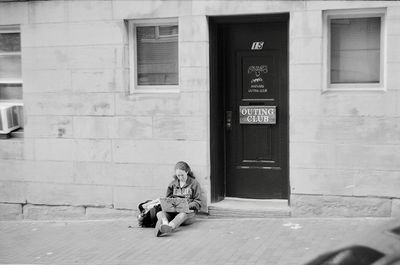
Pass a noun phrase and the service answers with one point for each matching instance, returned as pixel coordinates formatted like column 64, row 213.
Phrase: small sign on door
column 257, row 114
column 257, row 45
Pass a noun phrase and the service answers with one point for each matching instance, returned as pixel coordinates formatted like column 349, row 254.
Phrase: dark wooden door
column 255, row 78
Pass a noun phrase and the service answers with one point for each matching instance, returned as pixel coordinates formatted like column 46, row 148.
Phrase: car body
column 381, row 246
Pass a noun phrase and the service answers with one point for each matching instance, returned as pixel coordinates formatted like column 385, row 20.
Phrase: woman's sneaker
column 165, row 229
column 157, row 230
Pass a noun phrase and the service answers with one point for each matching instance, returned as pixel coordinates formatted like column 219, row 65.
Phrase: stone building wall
column 91, row 147
column 344, row 145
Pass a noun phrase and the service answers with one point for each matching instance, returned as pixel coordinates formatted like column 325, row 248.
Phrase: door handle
column 228, row 119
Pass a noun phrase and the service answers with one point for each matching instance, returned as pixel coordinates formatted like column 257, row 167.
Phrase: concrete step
column 248, row 208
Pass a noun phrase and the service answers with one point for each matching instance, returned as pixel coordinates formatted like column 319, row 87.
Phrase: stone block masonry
column 301, row 206
column 340, row 206
column 93, row 148
column 396, row 207
column 37, row 212
column 14, row 211
column 10, row 211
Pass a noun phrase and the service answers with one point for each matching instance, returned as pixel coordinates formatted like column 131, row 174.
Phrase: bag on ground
column 148, row 213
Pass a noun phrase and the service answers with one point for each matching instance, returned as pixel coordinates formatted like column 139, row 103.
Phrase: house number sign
column 257, row 114
column 257, row 45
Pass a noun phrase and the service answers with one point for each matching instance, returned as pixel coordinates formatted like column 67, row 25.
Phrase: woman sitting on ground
column 183, row 185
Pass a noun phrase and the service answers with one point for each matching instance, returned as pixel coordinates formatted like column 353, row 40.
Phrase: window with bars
column 154, row 56
column 10, row 64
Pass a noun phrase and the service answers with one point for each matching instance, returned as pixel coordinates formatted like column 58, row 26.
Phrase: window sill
column 12, row 101
column 355, row 88
column 156, row 91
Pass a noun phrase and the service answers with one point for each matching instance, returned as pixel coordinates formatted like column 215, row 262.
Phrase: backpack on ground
column 148, row 213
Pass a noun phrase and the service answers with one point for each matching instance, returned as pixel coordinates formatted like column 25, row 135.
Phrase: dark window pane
column 157, row 55
column 168, row 30
column 10, row 42
column 10, row 67
column 146, row 33
column 355, row 50
column 10, row 91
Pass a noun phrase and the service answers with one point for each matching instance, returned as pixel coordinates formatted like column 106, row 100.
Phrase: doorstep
column 249, row 208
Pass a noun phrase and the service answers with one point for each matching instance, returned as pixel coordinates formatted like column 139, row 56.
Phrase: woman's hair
column 182, row 165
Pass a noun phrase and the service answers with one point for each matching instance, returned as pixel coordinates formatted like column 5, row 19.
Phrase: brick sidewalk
column 283, row 241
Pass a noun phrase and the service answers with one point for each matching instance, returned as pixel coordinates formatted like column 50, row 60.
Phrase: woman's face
column 181, row 174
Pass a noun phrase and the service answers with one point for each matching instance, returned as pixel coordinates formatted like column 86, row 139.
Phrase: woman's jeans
column 176, row 218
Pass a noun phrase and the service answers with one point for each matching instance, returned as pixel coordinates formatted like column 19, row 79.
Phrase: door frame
column 217, row 79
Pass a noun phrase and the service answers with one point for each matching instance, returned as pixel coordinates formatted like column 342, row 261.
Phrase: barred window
column 154, row 57
column 10, row 63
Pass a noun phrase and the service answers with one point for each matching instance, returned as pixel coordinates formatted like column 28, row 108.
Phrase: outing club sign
column 257, row 114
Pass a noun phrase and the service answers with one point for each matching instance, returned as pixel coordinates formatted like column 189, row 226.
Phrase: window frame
column 12, row 29
column 134, row 87
column 19, row 133
column 328, row 15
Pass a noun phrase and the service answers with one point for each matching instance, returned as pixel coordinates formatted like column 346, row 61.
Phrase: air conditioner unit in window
column 11, row 117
